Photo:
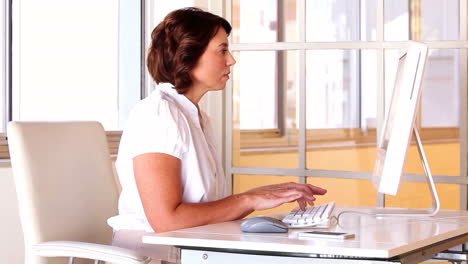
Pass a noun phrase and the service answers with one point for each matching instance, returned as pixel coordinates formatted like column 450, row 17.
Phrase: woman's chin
column 219, row 88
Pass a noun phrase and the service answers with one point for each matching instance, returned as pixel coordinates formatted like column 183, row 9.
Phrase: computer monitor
column 399, row 125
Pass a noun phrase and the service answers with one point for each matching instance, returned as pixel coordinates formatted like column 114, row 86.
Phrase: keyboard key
column 311, row 216
column 328, row 211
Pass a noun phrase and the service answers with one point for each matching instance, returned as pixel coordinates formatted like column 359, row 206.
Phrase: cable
column 337, row 217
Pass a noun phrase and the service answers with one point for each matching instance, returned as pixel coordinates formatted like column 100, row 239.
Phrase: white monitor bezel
column 397, row 129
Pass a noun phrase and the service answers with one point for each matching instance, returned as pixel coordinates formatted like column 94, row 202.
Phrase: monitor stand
column 430, row 180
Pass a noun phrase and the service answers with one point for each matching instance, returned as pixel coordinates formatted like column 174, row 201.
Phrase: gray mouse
column 263, row 224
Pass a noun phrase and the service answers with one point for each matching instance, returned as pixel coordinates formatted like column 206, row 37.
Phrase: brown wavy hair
column 178, row 42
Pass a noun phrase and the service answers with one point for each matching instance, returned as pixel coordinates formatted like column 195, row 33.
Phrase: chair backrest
column 64, row 182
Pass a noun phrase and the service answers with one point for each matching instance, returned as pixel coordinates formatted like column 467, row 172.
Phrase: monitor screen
column 397, row 128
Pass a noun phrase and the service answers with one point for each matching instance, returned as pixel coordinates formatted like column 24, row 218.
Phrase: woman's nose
column 230, row 61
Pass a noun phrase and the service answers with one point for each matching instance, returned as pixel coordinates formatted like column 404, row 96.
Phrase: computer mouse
column 263, row 224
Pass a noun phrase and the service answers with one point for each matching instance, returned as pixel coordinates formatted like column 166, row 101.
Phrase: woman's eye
column 223, row 51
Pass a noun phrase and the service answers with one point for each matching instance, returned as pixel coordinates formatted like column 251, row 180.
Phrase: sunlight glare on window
column 66, row 70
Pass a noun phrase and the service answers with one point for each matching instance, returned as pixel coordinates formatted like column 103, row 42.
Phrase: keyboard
column 313, row 216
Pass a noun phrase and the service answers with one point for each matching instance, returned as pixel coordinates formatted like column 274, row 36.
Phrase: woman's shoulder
column 158, row 103
column 155, row 124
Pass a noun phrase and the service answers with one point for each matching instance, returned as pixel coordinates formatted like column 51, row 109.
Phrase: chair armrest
column 76, row 249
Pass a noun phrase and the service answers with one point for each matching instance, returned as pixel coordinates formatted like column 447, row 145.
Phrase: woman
column 168, row 165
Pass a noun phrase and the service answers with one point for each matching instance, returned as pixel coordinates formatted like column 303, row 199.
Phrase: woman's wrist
column 245, row 202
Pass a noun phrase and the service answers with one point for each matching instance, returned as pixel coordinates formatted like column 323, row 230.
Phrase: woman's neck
column 195, row 94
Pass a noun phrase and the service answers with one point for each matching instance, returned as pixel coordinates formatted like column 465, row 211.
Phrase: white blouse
column 167, row 122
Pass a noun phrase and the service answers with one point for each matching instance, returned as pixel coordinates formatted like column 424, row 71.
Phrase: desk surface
column 376, row 237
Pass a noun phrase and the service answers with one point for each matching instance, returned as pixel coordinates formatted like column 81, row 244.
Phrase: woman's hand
column 271, row 196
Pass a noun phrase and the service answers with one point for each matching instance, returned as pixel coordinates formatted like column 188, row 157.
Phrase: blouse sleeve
column 158, row 128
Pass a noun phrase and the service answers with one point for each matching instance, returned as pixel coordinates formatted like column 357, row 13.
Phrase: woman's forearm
column 195, row 214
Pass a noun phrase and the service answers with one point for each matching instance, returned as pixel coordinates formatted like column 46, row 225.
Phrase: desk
column 378, row 240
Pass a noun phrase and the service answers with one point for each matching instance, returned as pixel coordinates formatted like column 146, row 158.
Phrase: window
column 63, row 60
column 65, row 63
column 68, row 56
column 307, row 102
column 74, row 62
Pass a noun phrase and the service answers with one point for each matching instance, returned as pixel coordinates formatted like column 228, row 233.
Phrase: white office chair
column 66, row 191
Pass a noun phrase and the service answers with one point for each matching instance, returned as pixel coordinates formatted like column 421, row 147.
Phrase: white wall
column 11, row 238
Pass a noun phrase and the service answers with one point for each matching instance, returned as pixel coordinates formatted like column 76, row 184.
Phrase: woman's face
column 214, row 66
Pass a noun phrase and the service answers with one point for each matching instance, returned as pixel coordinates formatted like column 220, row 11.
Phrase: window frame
column 7, row 63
